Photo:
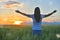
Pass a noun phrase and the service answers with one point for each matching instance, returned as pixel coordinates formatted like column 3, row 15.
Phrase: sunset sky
column 9, row 16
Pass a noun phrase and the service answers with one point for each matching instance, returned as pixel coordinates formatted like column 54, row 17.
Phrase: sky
column 9, row 16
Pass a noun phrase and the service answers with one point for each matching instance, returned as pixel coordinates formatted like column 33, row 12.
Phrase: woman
column 37, row 20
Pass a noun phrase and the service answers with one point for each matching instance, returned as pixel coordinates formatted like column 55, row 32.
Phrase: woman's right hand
column 17, row 11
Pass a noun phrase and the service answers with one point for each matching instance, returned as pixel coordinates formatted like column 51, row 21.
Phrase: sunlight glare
column 17, row 22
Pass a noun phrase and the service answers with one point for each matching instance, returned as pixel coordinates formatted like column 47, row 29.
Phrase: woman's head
column 37, row 10
column 37, row 14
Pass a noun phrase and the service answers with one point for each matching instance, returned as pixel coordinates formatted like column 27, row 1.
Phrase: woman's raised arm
column 22, row 13
column 50, row 13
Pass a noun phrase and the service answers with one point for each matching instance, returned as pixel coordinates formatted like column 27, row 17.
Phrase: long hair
column 37, row 14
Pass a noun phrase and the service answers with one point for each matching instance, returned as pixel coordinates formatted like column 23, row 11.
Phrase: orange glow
column 13, row 20
column 18, row 20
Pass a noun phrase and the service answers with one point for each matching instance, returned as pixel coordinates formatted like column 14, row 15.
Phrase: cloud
column 7, row 0
column 3, row 0
column 11, row 4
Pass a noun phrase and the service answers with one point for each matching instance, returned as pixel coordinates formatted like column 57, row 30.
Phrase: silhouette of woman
column 37, row 20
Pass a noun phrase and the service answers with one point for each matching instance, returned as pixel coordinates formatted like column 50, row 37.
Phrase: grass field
column 24, row 33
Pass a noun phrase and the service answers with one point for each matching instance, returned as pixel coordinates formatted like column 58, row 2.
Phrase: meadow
column 14, row 32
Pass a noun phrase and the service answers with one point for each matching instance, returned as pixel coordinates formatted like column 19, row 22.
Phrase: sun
column 18, row 22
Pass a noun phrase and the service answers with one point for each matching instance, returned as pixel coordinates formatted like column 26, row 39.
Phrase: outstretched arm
column 50, row 13
column 22, row 13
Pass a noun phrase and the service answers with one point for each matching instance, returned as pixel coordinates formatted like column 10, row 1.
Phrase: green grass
column 24, row 33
